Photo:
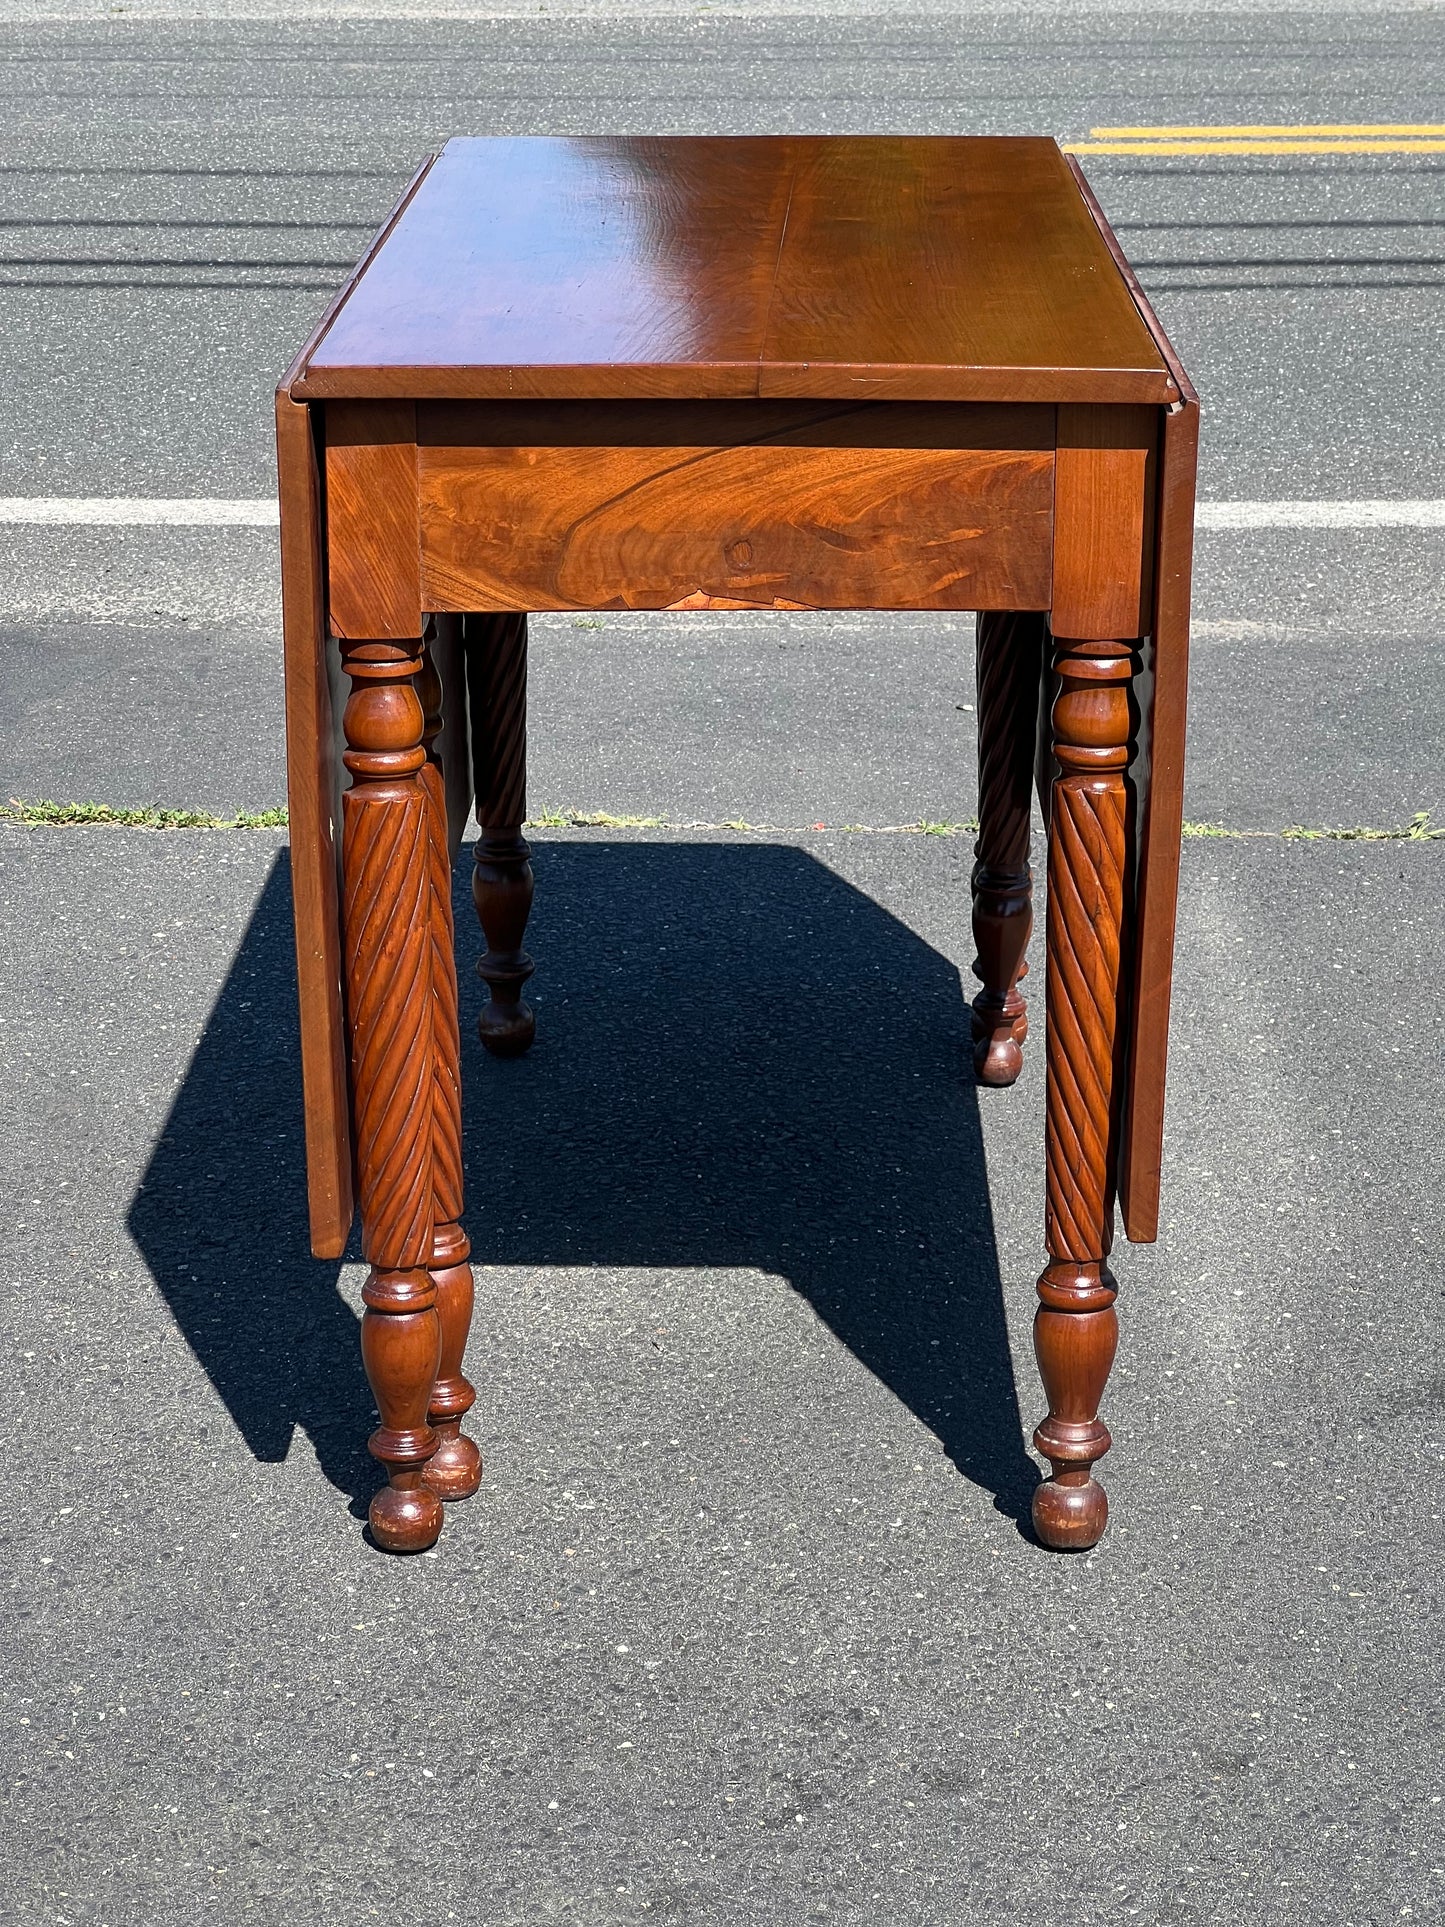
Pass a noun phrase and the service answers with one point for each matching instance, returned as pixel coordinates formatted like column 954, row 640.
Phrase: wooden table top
column 866, row 267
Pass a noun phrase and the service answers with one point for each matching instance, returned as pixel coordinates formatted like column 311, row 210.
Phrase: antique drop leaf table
column 797, row 373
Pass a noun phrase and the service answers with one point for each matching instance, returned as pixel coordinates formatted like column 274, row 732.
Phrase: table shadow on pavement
column 742, row 1061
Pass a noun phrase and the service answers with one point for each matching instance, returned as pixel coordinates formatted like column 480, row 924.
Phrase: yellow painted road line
column 1154, row 149
column 1352, row 137
column 1377, row 128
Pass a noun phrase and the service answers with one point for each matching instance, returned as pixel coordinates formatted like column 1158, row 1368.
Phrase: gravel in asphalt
column 743, row 1625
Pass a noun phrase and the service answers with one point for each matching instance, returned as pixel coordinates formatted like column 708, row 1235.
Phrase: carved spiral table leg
column 1010, row 665
column 496, row 648
column 1075, row 1328
column 454, row 1470
column 388, row 941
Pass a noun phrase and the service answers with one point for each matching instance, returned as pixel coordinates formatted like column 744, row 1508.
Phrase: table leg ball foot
column 1072, row 1517
column 998, row 1039
column 405, row 1518
column 997, row 1060
column 454, row 1470
column 507, row 1031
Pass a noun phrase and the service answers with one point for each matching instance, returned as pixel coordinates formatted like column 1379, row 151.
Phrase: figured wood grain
column 894, row 506
column 371, row 519
column 920, row 268
column 311, row 787
column 1104, row 483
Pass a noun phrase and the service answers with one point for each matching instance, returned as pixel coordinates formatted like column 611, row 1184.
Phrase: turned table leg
column 1075, row 1327
column 496, row 650
column 454, row 1471
column 387, row 930
column 1010, row 666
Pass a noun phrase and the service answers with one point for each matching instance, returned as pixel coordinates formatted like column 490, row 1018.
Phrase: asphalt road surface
column 744, row 1625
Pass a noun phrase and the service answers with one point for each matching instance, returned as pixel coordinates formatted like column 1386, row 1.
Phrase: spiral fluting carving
column 446, row 1037
column 454, row 1470
column 1075, row 1328
column 446, row 1052
column 1010, row 667
column 388, row 946
column 496, row 653
column 387, row 914
column 496, row 648
column 1086, row 896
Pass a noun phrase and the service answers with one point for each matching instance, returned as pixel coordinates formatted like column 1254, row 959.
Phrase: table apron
column 766, row 527
column 455, row 508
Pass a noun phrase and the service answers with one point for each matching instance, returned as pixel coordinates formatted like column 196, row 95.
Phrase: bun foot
column 1070, row 1518
column 507, row 1030
column 405, row 1518
column 997, row 1060
column 998, row 1037
column 454, row 1470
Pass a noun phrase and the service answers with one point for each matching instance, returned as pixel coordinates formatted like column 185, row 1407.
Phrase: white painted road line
column 1320, row 515
column 138, row 511
column 187, row 512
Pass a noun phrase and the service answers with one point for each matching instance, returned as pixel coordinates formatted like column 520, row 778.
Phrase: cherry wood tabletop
column 871, row 267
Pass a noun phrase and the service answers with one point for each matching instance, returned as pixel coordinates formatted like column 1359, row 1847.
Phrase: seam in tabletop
column 773, row 288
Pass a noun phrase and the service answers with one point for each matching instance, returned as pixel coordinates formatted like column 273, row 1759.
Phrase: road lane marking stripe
column 139, row 511
column 1378, row 129
column 119, row 511
column 1360, row 137
column 1320, row 515
column 1156, row 149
